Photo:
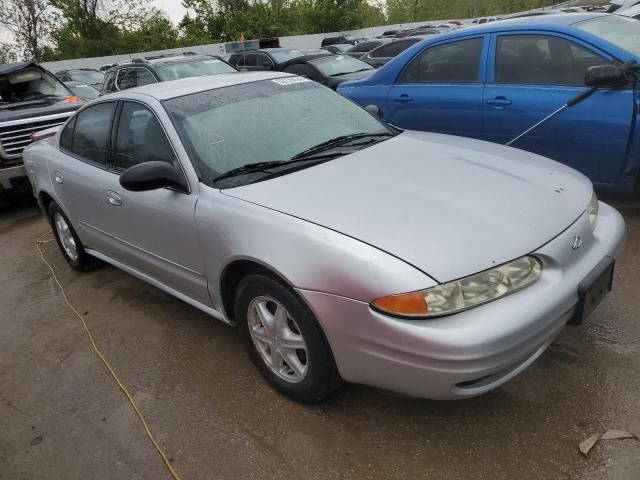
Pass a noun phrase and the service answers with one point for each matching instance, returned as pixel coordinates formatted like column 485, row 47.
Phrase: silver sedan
column 343, row 249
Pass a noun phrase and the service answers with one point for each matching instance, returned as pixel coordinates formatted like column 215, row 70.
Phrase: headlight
column 463, row 294
column 592, row 210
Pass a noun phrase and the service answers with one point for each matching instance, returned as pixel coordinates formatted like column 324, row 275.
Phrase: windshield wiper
column 337, row 142
column 249, row 168
column 347, row 73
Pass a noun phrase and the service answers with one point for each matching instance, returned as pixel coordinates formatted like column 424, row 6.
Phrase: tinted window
column 249, row 60
column 364, row 46
column 453, row 62
column 144, row 77
column 66, row 137
column 91, row 133
column 263, row 60
column 542, row 60
column 282, row 56
column 126, row 78
column 140, row 138
column 109, row 81
column 301, row 69
column 392, row 49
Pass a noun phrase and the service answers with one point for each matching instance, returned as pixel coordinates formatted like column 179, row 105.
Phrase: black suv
column 264, row 58
column 162, row 68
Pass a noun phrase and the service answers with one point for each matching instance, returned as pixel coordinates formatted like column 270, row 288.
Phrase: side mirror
column 605, row 76
column 152, row 176
column 374, row 110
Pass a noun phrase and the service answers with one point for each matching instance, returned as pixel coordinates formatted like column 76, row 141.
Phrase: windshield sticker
column 290, row 80
column 215, row 60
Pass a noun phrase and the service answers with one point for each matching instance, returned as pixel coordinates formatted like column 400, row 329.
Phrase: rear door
column 153, row 232
column 77, row 172
column 529, row 76
column 441, row 88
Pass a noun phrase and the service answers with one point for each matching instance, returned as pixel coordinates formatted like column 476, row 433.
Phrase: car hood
column 350, row 77
column 449, row 206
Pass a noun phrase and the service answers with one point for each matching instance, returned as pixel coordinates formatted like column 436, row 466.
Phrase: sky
column 173, row 8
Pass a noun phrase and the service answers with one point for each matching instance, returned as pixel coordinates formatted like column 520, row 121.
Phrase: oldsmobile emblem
column 576, row 243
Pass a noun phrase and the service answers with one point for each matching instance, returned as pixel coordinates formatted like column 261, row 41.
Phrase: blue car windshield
column 623, row 32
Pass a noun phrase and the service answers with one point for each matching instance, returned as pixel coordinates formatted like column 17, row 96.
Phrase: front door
column 441, row 90
column 153, row 232
column 530, row 76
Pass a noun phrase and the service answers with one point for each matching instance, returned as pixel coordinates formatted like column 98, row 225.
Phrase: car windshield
column 92, row 78
column 623, row 32
column 282, row 56
column 195, row 68
column 266, row 121
column 31, row 85
column 86, row 92
column 339, row 65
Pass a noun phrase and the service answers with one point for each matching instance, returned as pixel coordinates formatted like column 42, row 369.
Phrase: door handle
column 402, row 98
column 499, row 101
column 114, row 199
column 59, row 177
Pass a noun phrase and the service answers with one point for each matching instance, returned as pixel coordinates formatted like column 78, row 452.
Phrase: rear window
column 623, row 32
column 282, row 56
column 209, row 66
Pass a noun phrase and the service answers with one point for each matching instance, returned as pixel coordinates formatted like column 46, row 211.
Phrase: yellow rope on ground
column 40, row 242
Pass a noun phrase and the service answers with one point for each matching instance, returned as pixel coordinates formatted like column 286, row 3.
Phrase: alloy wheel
column 278, row 339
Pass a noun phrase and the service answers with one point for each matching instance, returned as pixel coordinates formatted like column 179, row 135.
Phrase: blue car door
column 440, row 89
column 531, row 74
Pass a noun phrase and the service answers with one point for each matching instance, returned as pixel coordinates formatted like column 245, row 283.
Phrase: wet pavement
column 63, row 417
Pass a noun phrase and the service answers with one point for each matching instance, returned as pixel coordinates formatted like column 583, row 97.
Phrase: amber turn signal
column 72, row 99
column 412, row 303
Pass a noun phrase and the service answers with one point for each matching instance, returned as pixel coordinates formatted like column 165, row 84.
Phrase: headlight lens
column 463, row 294
column 592, row 210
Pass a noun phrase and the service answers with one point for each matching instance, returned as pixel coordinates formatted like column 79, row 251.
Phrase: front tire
column 68, row 241
column 285, row 340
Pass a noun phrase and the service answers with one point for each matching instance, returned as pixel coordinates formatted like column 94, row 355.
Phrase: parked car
column 357, row 51
column 419, row 31
column 616, row 5
column 264, row 59
column 270, row 202
column 382, row 54
column 161, row 68
column 495, row 81
column 350, row 39
column 31, row 100
column 632, row 12
column 329, row 70
column 337, row 48
column 89, row 76
column 83, row 90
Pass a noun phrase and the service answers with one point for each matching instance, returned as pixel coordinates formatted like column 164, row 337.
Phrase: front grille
column 15, row 136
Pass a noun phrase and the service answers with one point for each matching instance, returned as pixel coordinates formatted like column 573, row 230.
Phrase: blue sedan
column 494, row 81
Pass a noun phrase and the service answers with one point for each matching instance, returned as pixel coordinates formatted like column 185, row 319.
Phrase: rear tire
column 68, row 241
column 285, row 340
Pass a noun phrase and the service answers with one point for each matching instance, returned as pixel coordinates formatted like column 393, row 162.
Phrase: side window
column 92, row 128
column 264, row 60
column 455, row 62
column 542, row 60
column 109, row 82
column 126, row 78
column 384, row 51
column 144, row 77
column 140, row 138
column 250, row 60
column 66, row 137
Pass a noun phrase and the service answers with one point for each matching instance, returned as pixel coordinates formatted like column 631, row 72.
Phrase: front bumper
column 11, row 177
column 472, row 352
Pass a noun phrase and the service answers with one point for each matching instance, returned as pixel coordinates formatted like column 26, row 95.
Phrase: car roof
column 537, row 22
column 187, row 86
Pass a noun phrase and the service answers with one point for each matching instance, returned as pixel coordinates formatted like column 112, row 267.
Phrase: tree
column 7, row 53
column 31, row 22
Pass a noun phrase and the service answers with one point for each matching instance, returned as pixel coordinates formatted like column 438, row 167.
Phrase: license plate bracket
column 592, row 289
